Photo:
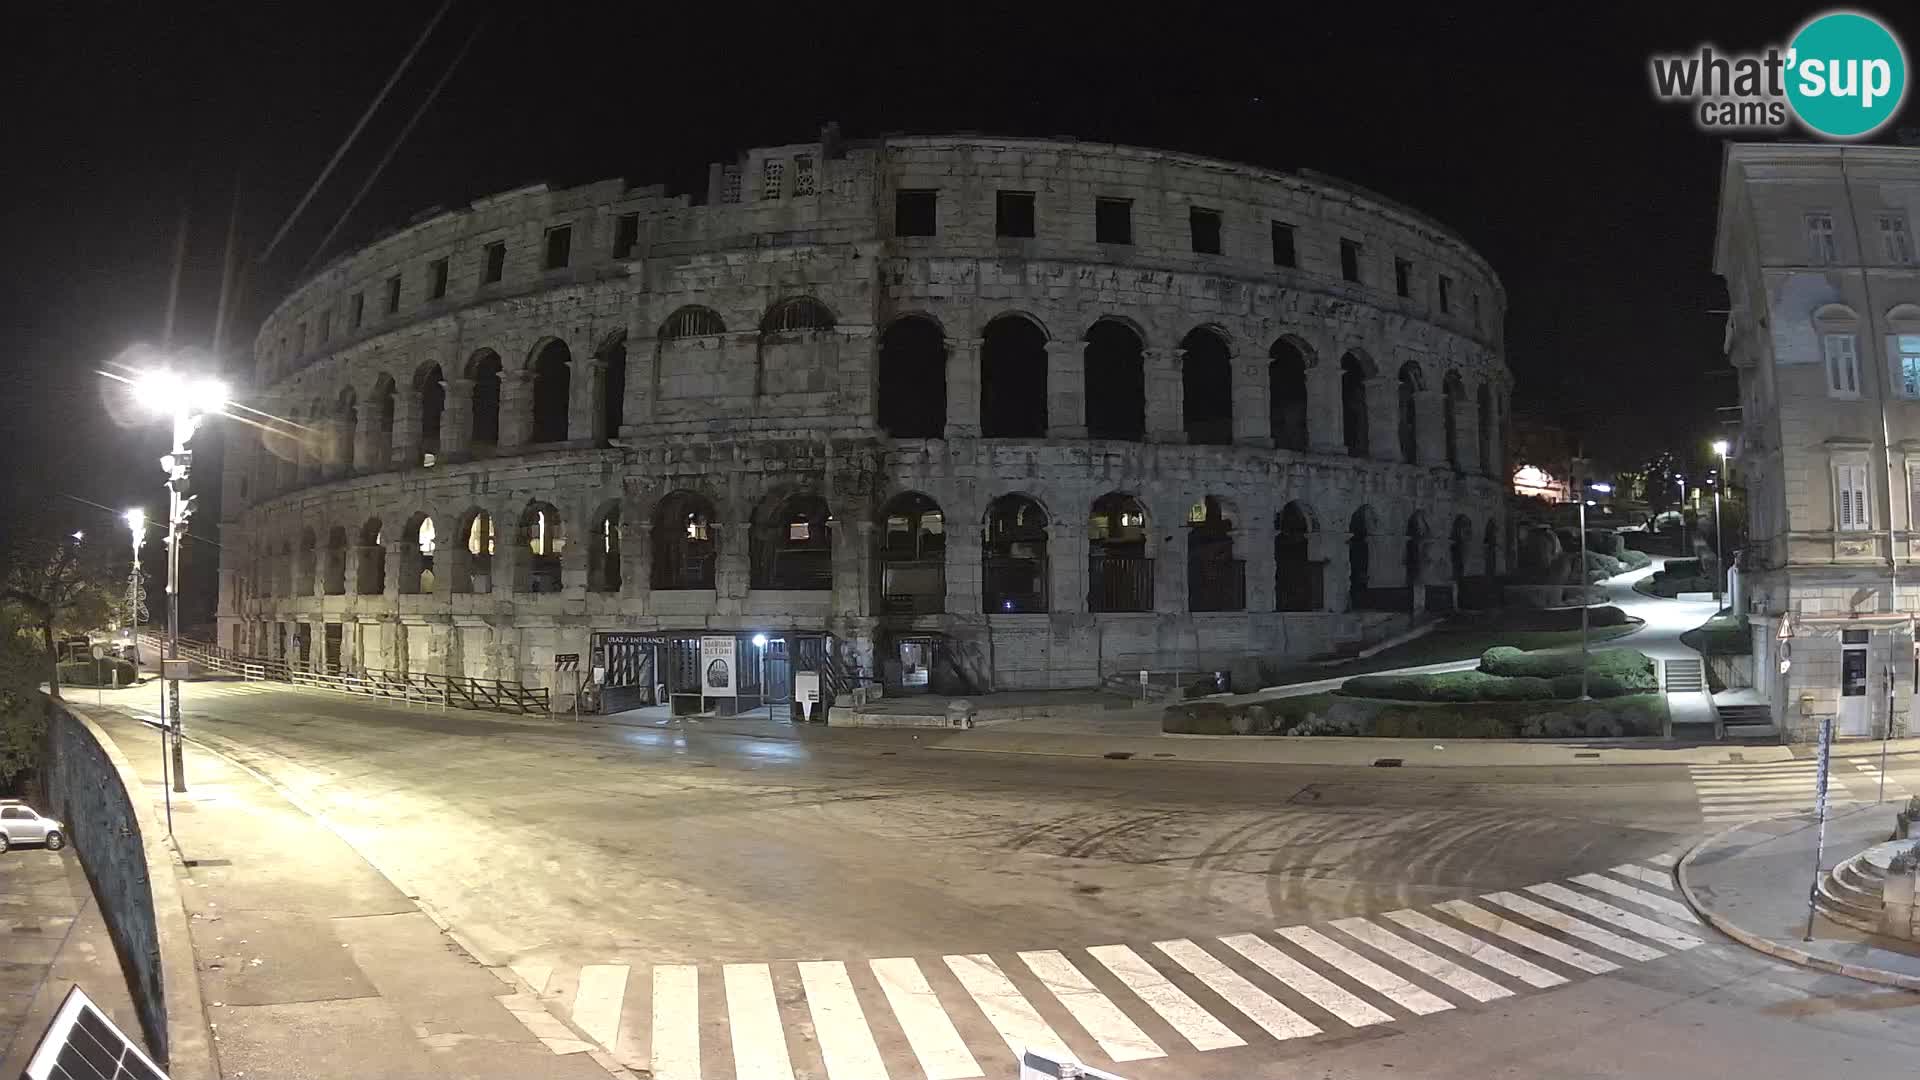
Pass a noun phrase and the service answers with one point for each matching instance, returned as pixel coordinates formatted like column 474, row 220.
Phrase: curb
column 1775, row 949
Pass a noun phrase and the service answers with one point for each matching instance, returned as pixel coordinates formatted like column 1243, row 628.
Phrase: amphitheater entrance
column 652, row 678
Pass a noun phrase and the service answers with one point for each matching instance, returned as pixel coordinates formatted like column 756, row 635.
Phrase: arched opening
column 1359, row 558
column 795, row 315
column 1451, row 391
column 380, row 446
column 370, row 564
column 1410, row 387
column 1013, row 557
column 1299, row 583
column 913, row 556
column 603, row 551
column 552, row 392
column 1287, row 395
column 1206, row 381
column 1119, row 567
column 484, row 370
column 1353, row 404
column 793, row 545
column 1413, row 557
column 1489, row 462
column 346, row 431
column 430, row 384
column 1013, row 379
column 913, row 379
column 1457, row 546
column 1216, row 581
column 417, row 556
column 613, row 386
column 692, row 321
column 1116, row 382
column 1490, row 553
column 334, row 577
column 683, row 542
column 303, row 566
column 541, row 544
column 472, row 551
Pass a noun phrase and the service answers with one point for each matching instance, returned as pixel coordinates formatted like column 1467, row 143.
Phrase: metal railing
column 1119, row 583
column 453, row 691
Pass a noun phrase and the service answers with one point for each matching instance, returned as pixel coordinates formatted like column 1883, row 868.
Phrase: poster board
column 719, row 676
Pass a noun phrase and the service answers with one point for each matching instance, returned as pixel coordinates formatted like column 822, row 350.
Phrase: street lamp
column 136, row 519
column 760, row 643
column 1719, row 551
column 1604, row 489
column 187, row 402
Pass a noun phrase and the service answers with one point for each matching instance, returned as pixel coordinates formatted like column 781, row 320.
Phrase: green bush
column 1459, row 686
column 1683, row 568
column 97, row 673
column 1635, row 560
column 1334, row 714
column 1630, row 666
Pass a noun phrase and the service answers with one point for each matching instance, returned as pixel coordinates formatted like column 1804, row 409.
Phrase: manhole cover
column 1387, row 763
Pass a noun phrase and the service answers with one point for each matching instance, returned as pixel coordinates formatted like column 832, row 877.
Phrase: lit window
column 1908, row 346
column 798, row 530
column 696, row 528
column 426, row 536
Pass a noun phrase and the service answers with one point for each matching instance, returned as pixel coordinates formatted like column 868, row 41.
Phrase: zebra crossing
column 1740, row 791
column 967, row 1015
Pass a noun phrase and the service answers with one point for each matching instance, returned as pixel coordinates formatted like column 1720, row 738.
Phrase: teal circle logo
column 1846, row 74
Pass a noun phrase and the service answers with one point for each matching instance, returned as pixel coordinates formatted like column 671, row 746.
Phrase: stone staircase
column 1747, row 722
column 1686, row 676
column 1849, row 894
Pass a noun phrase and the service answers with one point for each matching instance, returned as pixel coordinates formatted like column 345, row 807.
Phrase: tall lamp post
column 1720, row 447
column 760, row 643
column 186, row 402
column 1603, row 489
column 136, row 519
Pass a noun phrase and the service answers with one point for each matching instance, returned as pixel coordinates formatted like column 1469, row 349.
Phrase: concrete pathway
column 52, row 938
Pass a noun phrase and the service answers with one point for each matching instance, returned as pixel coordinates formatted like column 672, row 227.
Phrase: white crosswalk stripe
column 1520, row 935
column 1191, row 988
column 1663, row 859
column 1182, row 1013
column 1739, row 791
column 1477, row 987
column 1120, row 1037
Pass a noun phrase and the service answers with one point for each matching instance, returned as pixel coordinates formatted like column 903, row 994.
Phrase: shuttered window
column 1850, row 498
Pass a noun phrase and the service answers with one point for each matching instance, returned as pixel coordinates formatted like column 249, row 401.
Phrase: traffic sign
column 567, row 661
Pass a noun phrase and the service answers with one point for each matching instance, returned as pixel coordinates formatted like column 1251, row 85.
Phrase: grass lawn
column 1444, row 644
column 1722, row 635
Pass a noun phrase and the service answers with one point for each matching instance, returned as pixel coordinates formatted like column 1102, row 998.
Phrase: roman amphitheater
column 954, row 414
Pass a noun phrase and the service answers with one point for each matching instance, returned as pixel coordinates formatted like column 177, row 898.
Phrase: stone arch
column 1299, row 581
column 430, row 384
column 333, row 578
column 1206, row 382
column 483, row 368
column 612, row 389
column 1013, row 378
column 471, row 551
column 683, row 542
column 1411, row 382
column 1452, row 391
column 913, row 378
column 1355, row 370
column 1120, row 554
column 797, row 314
column 1116, row 379
column 1014, row 566
column 791, row 543
column 1287, row 362
column 691, row 320
column 551, row 366
column 1361, row 529
column 540, row 540
column 912, row 555
column 370, row 559
column 418, row 545
column 605, row 536
column 1216, row 579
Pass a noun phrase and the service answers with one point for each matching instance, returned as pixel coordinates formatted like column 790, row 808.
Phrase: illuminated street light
column 187, row 401
column 760, row 642
column 136, row 519
column 1719, row 552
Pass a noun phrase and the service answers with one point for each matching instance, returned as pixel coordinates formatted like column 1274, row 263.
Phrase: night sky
column 1532, row 133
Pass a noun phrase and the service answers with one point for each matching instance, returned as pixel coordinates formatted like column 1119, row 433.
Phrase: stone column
column 1067, row 566
column 1497, row 467
column 1383, row 418
column 456, row 421
column 1326, row 433
column 586, row 418
column 963, row 566
column 1387, row 560
column 1253, row 542
column 392, row 553
column 405, row 451
column 963, row 389
column 733, row 559
column 516, row 409
column 853, row 569
column 1430, row 427
column 1166, row 396
column 1467, row 435
column 636, row 560
column 1252, row 413
column 1066, row 390
column 573, row 568
column 1169, row 561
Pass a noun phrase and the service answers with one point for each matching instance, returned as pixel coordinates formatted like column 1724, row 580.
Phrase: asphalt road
column 594, row 859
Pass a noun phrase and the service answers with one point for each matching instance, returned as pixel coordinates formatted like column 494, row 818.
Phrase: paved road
column 844, row 904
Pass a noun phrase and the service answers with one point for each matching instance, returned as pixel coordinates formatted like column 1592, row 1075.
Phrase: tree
column 59, row 584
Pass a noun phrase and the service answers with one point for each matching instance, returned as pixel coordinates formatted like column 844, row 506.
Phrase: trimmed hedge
column 1626, row 664
column 89, row 672
column 1635, row 560
column 1332, row 714
column 1507, row 674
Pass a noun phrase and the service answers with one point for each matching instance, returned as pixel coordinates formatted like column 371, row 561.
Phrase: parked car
column 22, row 824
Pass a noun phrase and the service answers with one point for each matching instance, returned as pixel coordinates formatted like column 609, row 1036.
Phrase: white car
column 22, row 824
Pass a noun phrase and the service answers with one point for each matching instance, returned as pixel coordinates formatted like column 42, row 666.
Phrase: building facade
column 1815, row 243
column 955, row 412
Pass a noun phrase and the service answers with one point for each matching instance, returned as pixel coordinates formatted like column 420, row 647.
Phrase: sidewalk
column 311, row 963
column 1751, row 882
column 54, row 939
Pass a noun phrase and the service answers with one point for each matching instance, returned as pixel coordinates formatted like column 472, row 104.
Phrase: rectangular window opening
column 559, row 247
column 1446, row 294
column 1906, row 351
column 437, row 279
column 1350, row 260
column 496, row 267
column 393, row 294
column 1851, row 504
column 1113, row 221
column 915, row 212
column 356, row 311
column 1402, row 277
column 1896, row 240
column 1204, row 225
column 1843, row 366
column 1820, row 250
column 1283, row 253
column 1013, row 213
column 626, row 235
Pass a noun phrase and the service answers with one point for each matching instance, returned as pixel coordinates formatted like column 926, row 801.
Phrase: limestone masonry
column 950, row 413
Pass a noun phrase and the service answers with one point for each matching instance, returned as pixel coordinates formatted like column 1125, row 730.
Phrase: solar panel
column 82, row 1044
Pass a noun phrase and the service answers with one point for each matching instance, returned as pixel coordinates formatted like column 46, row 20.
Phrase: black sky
column 1530, row 131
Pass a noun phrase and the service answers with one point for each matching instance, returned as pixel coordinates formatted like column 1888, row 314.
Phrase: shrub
column 100, row 673
column 1459, row 686
column 1197, row 718
column 1682, row 568
column 1625, row 664
column 1635, row 560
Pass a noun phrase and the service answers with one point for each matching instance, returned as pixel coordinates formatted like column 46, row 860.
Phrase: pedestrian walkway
column 1739, row 791
column 947, row 1017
